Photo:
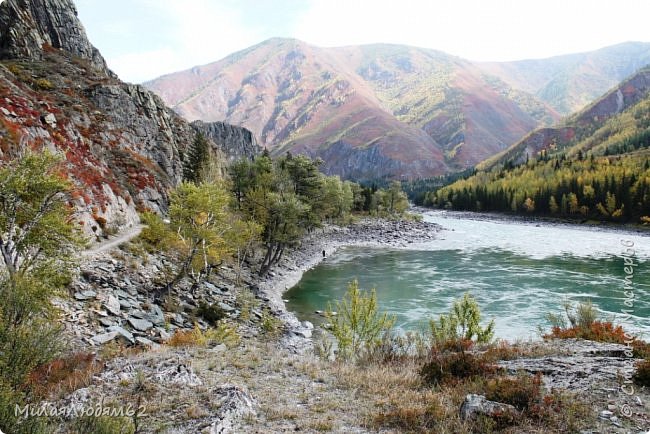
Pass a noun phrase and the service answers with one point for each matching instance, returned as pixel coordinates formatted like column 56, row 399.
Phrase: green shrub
column 39, row 242
column 155, row 232
column 358, row 326
column 462, row 323
column 212, row 313
column 15, row 69
column 44, row 84
column 581, row 316
column 271, row 325
column 28, row 338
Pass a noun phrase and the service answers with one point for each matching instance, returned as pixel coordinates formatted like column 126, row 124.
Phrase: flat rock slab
column 583, row 364
column 475, row 405
column 104, row 338
column 112, row 305
column 140, row 324
column 85, row 295
column 122, row 332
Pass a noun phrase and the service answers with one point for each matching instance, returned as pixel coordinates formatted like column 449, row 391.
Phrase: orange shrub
column 63, row 375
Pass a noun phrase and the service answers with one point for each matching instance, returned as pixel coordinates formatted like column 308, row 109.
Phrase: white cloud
column 142, row 39
column 206, row 31
column 478, row 29
column 146, row 65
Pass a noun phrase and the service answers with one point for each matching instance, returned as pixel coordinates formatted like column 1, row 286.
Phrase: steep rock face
column 371, row 163
column 120, row 144
column 233, row 142
column 29, row 26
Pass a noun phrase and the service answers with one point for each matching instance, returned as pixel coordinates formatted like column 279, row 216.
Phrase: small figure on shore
column 323, row 253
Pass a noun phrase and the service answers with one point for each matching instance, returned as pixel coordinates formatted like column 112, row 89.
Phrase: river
column 518, row 272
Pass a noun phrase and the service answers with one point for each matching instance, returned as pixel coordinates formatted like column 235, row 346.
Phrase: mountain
column 620, row 113
column 568, row 83
column 121, row 145
column 368, row 111
column 594, row 166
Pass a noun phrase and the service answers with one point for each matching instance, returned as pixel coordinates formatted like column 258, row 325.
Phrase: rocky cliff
column 121, row 145
column 233, row 142
column 27, row 27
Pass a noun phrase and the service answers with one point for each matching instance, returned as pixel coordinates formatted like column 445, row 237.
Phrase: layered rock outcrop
column 29, row 26
column 232, row 141
column 121, row 146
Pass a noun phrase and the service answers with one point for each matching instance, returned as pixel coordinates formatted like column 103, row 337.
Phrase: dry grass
column 196, row 337
column 399, row 397
column 63, row 376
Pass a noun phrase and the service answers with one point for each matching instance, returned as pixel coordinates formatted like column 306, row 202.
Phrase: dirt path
column 109, row 244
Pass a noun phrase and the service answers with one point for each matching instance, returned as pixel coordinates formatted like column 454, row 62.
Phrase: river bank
column 263, row 378
column 322, row 243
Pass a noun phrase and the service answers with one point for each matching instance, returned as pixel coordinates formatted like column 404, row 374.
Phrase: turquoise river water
column 517, row 271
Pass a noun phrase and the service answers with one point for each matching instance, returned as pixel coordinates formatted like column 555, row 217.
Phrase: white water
column 517, row 271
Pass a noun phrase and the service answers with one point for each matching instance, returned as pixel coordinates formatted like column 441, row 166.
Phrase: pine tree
column 197, row 159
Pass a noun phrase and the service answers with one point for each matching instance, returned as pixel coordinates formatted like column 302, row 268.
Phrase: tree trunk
column 273, row 255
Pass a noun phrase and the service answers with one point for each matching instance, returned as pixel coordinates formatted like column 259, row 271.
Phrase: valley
column 233, row 247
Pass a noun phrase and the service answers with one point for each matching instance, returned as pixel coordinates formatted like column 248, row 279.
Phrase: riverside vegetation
column 413, row 382
column 211, row 221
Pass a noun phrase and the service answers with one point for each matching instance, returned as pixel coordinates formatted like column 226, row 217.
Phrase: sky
column 144, row 39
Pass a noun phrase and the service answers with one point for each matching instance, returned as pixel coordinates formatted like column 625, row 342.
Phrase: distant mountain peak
column 370, row 111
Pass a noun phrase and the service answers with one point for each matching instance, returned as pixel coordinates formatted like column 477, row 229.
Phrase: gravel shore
column 366, row 232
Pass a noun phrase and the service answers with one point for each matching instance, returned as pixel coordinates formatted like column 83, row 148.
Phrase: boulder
column 140, row 324
column 475, row 405
column 112, row 305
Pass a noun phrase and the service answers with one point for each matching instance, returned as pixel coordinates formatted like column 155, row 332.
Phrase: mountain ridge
column 570, row 82
column 578, row 127
column 308, row 99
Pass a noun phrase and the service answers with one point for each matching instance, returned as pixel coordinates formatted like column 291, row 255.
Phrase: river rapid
column 518, row 272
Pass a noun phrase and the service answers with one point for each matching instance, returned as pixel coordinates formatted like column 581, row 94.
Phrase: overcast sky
column 143, row 39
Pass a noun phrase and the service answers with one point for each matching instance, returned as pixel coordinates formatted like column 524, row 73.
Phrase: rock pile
column 113, row 302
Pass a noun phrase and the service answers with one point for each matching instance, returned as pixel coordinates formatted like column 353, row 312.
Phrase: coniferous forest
column 615, row 188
